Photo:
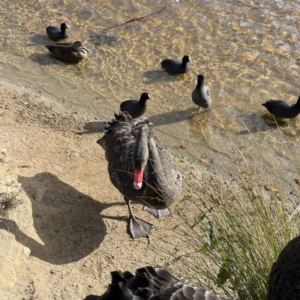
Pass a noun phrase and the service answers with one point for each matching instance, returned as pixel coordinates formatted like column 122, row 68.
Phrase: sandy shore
column 69, row 232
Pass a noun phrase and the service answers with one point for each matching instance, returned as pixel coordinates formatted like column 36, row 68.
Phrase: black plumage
column 157, row 285
column 56, row 33
column 282, row 109
column 176, row 67
column 73, row 52
column 284, row 279
column 140, row 169
column 136, row 108
column 283, row 283
column 201, row 94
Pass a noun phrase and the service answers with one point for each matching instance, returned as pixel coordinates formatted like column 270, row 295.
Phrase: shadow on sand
column 67, row 221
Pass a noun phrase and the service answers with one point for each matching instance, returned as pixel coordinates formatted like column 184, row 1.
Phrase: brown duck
column 140, row 169
column 69, row 51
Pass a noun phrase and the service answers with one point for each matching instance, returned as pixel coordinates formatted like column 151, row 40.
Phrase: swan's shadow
column 67, row 221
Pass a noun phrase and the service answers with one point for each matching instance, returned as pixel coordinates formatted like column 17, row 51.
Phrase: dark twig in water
column 141, row 18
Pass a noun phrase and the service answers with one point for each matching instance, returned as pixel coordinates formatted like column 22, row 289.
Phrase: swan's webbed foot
column 138, row 227
column 158, row 213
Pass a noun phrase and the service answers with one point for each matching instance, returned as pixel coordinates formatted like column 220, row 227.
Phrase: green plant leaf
column 199, row 220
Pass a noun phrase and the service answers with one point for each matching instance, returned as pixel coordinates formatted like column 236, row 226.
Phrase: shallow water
column 248, row 51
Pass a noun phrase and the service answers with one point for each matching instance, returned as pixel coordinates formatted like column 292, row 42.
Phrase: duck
column 69, row 51
column 136, row 108
column 56, row 33
column 201, row 94
column 140, row 169
column 282, row 109
column 176, row 67
column 159, row 284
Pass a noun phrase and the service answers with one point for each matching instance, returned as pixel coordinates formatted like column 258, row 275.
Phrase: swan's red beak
column 138, row 179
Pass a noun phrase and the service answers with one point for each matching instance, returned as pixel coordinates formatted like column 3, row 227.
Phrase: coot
column 201, row 94
column 136, row 108
column 56, row 33
column 176, row 67
column 282, row 109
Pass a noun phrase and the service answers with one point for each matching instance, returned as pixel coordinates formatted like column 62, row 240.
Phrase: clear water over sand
column 248, row 51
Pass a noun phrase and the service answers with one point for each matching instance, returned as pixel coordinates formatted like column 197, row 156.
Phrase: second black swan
column 151, row 284
column 140, row 169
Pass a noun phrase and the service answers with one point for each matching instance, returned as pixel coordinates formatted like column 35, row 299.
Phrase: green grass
column 234, row 228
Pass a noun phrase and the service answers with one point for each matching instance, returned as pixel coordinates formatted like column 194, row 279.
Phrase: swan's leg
column 137, row 227
column 158, row 213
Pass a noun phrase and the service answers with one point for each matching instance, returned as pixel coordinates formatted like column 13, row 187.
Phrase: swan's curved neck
column 140, row 156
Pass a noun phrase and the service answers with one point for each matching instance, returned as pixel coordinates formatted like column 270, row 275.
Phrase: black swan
column 69, row 51
column 282, row 109
column 56, row 33
column 140, row 169
column 176, row 67
column 201, row 94
column 136, row 108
